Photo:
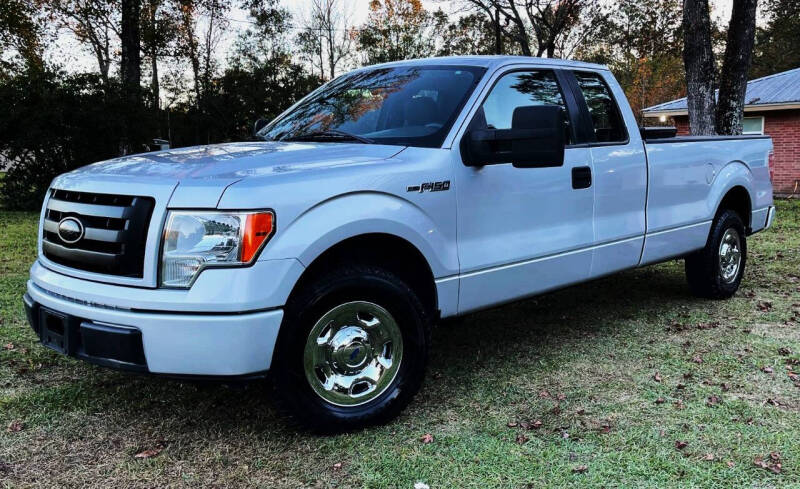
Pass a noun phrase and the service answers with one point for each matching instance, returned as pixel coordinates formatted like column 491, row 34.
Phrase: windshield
column 403, row 105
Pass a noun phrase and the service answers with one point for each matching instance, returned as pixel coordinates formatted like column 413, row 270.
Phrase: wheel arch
column 388, row 251
column 733, row 189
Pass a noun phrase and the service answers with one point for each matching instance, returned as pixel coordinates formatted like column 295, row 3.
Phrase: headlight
column 194, row 240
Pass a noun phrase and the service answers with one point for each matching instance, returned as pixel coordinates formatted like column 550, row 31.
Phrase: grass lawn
column 589, row 386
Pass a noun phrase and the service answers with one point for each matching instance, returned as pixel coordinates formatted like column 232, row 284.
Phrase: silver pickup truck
column 324, row 251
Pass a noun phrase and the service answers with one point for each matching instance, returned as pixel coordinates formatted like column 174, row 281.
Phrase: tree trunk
column 498, row 33
column 698, row 59
column 736, row 65
column 154, row 86
column 130, row 67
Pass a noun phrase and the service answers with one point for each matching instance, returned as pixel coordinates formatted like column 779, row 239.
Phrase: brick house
column 772, row 107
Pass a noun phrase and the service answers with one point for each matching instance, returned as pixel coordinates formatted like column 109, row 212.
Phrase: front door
column 522, row 231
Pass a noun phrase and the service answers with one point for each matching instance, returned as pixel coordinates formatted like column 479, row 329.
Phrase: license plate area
column 55, row 331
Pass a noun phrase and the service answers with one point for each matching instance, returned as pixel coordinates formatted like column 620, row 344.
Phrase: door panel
column 522, row 231
column 620, row 173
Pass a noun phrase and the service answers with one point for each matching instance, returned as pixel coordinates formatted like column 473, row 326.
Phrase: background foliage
column 195, row 89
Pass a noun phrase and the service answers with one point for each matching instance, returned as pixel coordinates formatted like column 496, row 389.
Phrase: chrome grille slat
column 95, row 234
column 90, row 209
column 114, row 231
column 79, row 254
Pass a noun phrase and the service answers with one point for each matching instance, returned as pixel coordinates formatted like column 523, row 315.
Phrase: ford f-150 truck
column 323, row 251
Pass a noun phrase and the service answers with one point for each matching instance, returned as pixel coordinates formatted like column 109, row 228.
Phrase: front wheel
column 352, row 350
column 716, row 271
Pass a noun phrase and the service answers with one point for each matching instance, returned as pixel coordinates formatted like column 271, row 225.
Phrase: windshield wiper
column 330, row 134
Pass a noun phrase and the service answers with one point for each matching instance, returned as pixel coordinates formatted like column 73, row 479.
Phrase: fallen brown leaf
column 15, row 426
column 680, row 444
column 521, row 438
column 697, row 359
column 767, row 369
column 426, row 438
column 785, row 351
column 512, row 424
column 657, row 377
column 660, row 400
column 580, row 469
column 708, row 456
column 152, row 452
column 712, row 401
column 337, row 466
column 764, row 306
column 772, row 462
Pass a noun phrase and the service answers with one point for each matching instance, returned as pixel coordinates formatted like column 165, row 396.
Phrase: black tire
column 339, row 286
column 703, row 270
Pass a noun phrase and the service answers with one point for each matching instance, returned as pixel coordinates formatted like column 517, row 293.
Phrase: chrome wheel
column 730, row 255
column 352, row 353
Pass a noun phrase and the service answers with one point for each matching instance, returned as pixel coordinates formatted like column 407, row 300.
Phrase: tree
column 21, row 31
column 130, row 66
column 327, row 38
column 159, row 21
column 698, row 59
column 707, row 116
column 94, row 23
column 198, row 43
column 470, row 34
column 776, row 46
column 736, row 66
column 396, row 30
column 543, row 27
column 641, row 42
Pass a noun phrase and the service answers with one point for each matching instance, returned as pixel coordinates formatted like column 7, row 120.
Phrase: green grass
column 597, row 346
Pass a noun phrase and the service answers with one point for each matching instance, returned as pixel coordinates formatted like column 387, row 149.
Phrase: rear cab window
column 606, row 118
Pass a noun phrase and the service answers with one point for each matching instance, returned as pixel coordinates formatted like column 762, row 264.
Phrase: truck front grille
column 114, row 231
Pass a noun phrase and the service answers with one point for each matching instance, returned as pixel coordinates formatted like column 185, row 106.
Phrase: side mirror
column 259, row 125
column 537, row 139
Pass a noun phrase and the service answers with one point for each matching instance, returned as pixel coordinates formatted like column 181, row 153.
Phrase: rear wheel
column 716, row 271
column 352, row 350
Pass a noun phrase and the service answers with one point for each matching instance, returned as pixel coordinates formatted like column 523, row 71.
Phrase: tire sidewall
column 303, row 313
column 727, row 220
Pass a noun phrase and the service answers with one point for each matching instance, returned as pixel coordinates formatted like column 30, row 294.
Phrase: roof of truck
column 778, row 91
column 494, row 61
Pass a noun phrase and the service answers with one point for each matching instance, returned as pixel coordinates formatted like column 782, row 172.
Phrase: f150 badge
column 430, row 187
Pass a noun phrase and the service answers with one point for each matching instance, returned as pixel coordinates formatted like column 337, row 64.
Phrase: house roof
column 773, row 92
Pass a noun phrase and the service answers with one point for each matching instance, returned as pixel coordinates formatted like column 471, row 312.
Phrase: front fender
column 344, row 216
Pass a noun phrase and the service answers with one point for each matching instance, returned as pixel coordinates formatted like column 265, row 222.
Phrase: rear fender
column 733, row 174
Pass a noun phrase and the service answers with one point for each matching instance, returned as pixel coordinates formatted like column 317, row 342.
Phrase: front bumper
column 179, row 343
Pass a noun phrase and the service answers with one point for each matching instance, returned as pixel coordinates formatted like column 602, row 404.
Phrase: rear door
column 620, row 171
column 523, row 230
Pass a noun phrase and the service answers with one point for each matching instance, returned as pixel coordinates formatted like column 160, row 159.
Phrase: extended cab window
column 520, row 89
column 606, row 120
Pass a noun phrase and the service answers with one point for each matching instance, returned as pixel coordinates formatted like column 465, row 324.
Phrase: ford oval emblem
column 70, row 230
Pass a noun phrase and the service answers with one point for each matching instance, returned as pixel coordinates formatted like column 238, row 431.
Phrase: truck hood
column 201, row 173
column 232, row 161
